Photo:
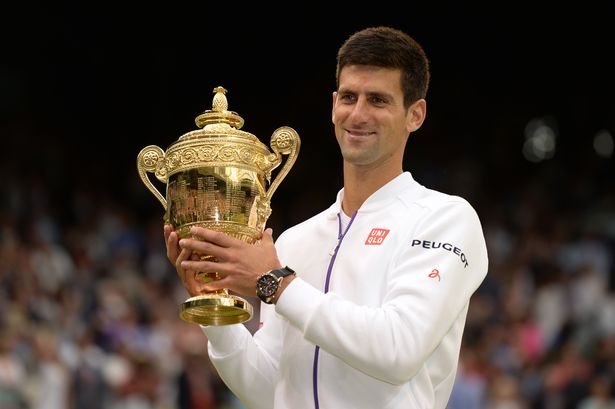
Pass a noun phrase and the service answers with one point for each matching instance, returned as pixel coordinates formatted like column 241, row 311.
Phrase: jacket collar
column 403, row 186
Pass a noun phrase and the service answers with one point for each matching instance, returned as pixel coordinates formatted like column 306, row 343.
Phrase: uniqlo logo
column 376, row 236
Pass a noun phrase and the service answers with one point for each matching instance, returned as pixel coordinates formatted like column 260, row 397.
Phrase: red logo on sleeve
column 376, row 236
column 434, row 274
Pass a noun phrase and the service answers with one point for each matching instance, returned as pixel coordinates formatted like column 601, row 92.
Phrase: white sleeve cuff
column 298, row 302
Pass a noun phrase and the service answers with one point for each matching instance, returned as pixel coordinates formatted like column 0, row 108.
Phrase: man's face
column 371, row 123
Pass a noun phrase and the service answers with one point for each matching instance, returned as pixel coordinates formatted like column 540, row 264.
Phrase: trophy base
column 215, row 309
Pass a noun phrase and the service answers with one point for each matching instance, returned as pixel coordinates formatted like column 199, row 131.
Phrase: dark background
column 83, row 87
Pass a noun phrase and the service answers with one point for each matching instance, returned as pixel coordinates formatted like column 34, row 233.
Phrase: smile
column 358, row 134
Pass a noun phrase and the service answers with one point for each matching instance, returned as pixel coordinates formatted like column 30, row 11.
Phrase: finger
column 167, row 230
column 204, row 248
column 181, row 270
column 172, row 243
column 216, row 237
column 213, row 280
column 267, row 237
column 214, row 285
column 202, row 267
column 194, row 284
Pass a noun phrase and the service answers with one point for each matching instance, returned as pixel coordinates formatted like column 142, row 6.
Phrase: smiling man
column 364, row 304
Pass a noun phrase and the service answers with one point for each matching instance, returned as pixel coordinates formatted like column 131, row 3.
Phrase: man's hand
column 176, row 256
column 238, row 264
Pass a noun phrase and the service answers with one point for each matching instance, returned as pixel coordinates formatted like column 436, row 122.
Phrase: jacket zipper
column 340, row 237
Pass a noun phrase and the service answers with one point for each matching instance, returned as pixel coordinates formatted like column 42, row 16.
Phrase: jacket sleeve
column 248, row 364
column 392, row 342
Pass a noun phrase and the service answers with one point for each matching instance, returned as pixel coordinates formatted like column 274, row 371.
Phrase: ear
column 416, row 115
column 334, row 99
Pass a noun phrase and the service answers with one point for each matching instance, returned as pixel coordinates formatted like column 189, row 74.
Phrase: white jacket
column 387, row 309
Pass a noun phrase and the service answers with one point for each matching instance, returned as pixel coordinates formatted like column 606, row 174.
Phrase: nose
column 360, row 111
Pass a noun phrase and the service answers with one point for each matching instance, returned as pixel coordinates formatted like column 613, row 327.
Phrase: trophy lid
column 219, row 121
column 219, row 112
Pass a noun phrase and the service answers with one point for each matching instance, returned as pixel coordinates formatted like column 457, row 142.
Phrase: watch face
column 267, row 285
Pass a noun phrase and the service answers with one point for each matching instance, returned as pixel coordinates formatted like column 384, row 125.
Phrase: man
column 371, row 306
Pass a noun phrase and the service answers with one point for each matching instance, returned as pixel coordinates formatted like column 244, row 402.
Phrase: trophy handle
column 149, row 160
column 284, row 141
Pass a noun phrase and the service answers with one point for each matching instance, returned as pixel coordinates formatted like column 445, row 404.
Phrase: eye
column 347, row 97
column 376, row 100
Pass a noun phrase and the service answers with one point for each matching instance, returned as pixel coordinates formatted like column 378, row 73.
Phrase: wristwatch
column 267, row 284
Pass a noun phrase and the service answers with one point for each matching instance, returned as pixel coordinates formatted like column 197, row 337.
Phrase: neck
column 360, row 183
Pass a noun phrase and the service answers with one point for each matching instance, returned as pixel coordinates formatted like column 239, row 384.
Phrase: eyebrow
column 370, row 94
column 382, row 95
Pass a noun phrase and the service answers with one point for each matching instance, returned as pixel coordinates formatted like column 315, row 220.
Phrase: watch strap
column 282, row 272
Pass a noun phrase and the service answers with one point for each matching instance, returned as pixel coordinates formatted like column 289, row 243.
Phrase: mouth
column 358, row 134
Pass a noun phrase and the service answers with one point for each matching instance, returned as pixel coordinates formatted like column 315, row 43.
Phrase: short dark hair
column 389, row 48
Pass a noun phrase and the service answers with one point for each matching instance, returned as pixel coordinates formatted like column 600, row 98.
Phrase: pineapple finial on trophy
column 219, row 104
column 219, row 113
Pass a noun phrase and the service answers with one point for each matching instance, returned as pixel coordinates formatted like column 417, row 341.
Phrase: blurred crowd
column 89, row 302
column 541, row 328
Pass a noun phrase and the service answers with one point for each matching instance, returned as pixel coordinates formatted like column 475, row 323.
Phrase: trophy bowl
column 218, row 177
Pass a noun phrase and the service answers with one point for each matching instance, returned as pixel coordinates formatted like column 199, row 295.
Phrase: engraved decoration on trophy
column 216, row 177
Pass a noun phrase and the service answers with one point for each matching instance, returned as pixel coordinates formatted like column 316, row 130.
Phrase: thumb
column 268, row 236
